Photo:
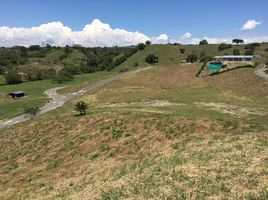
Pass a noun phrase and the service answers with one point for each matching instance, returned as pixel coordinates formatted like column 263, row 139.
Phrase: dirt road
column 57, row 100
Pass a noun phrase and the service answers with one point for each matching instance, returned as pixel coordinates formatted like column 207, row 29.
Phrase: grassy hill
column 160, row 134
column 170, row 55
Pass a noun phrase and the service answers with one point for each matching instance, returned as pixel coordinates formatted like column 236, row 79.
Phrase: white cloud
column 250, row 25
column 96, row 34
column 186, row 36
column 161, row 39
column 55, row 33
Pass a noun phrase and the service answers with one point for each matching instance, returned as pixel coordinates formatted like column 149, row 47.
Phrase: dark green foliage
column 34, row 48
column 12, row 77
column 151, row 59
column 192, row 58
column 141, row 46
column 148, row 42
column 238, row 41
column 224, row 46
column 203, row 42
column 201, row 69
column 182, row 50
column 266, row 49
column 81, row 107
column 236, row 52
column 2, row 69
column 64, row 76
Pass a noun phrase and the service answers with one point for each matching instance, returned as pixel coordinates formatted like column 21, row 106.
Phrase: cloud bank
column 250, row 25
column 100, row 34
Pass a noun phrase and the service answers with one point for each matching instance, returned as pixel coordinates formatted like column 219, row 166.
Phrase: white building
column 234, row 58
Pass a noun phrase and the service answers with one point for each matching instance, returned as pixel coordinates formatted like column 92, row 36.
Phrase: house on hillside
column 234, row 58
column 17, row 94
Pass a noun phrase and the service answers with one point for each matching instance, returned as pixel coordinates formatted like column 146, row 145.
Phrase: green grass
column 34, row 90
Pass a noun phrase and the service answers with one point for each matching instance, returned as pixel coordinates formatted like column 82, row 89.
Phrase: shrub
column 12, row 77
column 151, row 59
column 224, row 46
column 64, row 76
column 81, row 107
column 236, row 52
column 182, row 50
column 141, row 46
column 148, row 42
column 266, row 49
column 192, row 58
column 203, row 42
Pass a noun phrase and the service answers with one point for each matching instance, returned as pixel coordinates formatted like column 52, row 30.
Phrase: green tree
column 224, row 46
column 238, row 41
column 81, row 107
column 141, row 46
column 182, row 50
column 148, row 42
column 236, row 52
column 151, row 59
column 192, row 58
column 64, row 76
column 12, row 77
column 203, row 42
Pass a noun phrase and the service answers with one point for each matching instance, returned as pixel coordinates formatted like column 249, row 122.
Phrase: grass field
column 160, row 134
column 35, row 90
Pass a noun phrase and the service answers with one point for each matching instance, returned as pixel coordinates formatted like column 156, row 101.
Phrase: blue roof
column 17, row 92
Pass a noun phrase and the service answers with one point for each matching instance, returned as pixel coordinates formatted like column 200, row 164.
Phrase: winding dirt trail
column 57, row 100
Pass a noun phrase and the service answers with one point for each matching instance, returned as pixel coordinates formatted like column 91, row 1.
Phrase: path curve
column 261, row 72
column 57, row 100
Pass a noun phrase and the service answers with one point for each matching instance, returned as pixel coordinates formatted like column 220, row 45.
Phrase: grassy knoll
column 160, row 134
column 35, row 90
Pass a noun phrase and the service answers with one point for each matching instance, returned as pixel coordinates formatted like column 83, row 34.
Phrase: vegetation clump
column 203, row 42
column 151, row 59
column 81, row 107
column 192, row 58
column 224, row 46
column 12, row 77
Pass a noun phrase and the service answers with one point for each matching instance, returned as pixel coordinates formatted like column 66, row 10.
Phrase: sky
column 125, row 22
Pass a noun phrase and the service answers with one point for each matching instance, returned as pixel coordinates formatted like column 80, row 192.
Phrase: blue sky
column 211, row 18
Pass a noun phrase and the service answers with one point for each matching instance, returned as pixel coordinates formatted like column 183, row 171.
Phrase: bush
column 148, row 42
column 236, row 52
column 151, row 59
column 266, row 49
column 182, row 50
column 203, row 42
column 64, row 76
column 81, row 107
column 12, row 77
column 192, row 58
column 141, row 46
column 224, row 46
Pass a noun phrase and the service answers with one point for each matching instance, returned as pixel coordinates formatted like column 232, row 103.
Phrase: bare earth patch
column 231, row 109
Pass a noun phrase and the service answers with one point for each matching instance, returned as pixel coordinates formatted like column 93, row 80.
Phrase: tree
column 151, row 59
column 192, row 58
column 81, row 107
column 12, row 77
column 32, row 111
column 203, row 42
column 224, row 46
column 64, row 76
column 182, row 50
column 141, row 46
column 148, row 42
column 236, row 52
column 238, row 41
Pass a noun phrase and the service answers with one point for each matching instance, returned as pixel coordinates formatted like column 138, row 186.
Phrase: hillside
column 159, row 134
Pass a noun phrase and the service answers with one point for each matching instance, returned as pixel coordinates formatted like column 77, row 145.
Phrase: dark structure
column 16, row 94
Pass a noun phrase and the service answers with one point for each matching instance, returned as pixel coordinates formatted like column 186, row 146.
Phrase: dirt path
column 57, row 100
